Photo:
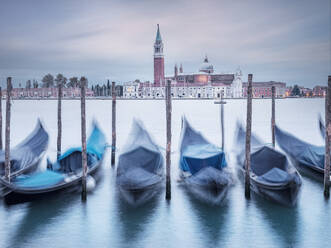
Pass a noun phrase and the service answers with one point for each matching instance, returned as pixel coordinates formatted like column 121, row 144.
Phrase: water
column 106, row 221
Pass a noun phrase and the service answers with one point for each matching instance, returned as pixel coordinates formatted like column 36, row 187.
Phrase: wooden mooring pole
column 7, row 143
column 113, row 124
column 221, row 102
column 83, row 127
column 168, row 147
column 327, row 140
column 222, row 124
column 248, row 137
column 273, row 121
column 59, row 119
column 0, row 118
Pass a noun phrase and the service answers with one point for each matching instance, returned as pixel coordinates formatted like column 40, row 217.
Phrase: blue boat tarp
column 40, row 179
column 96, row 144
column 303, row 152
column 275, row 175
column 197, row 153
column 196, row 157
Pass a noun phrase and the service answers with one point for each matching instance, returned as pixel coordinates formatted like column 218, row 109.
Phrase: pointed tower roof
column 158, row 34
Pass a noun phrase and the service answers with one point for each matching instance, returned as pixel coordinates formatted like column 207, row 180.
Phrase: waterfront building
column 263, row 89
column 319, row 91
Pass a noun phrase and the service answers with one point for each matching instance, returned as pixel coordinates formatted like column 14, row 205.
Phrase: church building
column 205, row 83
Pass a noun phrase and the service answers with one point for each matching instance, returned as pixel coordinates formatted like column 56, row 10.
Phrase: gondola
column 272, row 175
column 308, row 158
column 25, row 157
column 140, row 170
column 64, row 174
column 203, row 166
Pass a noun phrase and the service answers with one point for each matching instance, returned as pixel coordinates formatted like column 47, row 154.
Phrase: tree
column 28, row 84
column 73, row 82
column 108, row 88
column 295, row 91
column 60, row 79
column 35, row 83
column 83, row 79
column 48, row 81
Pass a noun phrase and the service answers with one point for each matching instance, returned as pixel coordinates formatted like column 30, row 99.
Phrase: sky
column 287, row 41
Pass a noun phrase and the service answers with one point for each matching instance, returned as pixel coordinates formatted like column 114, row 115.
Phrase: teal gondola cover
column 197, row 153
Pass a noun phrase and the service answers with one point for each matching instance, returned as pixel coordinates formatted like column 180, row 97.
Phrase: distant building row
column 47, row 92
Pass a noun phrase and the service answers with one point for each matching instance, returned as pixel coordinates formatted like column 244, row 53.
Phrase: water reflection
column 211, row 219
column 38, row 216
column 135, row 219
column 283, row 220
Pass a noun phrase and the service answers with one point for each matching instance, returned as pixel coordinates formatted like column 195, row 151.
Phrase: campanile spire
column 158, row 58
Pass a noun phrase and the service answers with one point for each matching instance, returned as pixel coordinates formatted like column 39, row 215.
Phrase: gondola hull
column 137, row 197
column 286, row 194
column 307, row 170
column 140, row 170
column 209, row 185
column 20, row 196
column 214, row 195
column 272, row 175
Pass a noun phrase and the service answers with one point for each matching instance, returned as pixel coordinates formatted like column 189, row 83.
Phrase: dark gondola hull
column 140, row 170
column 310, row 171
column 272, row 176
column 286, row 195
column 137, row 197
column 209, row 185
column 214, row 195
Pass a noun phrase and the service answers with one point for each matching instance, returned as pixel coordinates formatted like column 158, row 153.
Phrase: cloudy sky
column 278, row 40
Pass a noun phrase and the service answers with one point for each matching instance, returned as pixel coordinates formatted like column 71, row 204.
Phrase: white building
column 180, row 89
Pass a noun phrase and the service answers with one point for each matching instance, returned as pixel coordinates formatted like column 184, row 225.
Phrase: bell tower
column 158, row 59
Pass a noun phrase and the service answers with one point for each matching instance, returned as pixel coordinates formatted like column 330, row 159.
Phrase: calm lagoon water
column 106, row 221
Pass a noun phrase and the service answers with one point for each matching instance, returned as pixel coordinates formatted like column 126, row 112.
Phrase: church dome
column 206, row 66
